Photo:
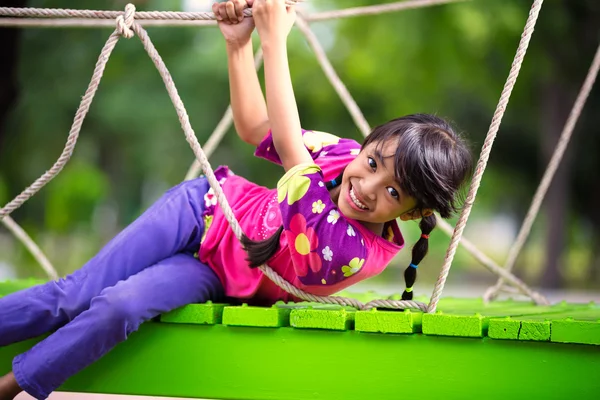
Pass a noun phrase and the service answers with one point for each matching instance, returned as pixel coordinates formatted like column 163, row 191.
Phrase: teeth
column 356, row 201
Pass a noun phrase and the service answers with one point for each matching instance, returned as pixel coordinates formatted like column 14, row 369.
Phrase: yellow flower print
column 355, row 266
column 315, row 140
column 318, row 207
column 354, row 152
column 295, row 188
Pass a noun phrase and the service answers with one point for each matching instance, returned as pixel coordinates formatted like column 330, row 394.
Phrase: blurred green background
column 451, row 60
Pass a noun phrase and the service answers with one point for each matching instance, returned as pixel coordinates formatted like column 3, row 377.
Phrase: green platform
column 297, row 351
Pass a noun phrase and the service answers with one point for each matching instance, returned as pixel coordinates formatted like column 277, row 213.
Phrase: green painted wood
column 505, row 328
column 572, row 331
column 224, row 362
column 453, row 325
column 267, row 317
column 387, row 321
column 208, row 313
column 340, row 319
column 509, row 319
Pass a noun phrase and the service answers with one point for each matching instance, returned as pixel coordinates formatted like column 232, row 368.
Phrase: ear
column 416, row 214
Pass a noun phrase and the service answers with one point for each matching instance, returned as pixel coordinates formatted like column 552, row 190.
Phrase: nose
column 368, row 188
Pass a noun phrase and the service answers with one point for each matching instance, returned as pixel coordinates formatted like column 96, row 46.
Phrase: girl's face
column 370, row 191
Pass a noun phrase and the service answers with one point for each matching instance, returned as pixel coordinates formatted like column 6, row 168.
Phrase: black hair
column 432, row 163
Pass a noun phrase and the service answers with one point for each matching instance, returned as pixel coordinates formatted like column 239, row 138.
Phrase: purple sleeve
column 325, row 249
column 329, row 152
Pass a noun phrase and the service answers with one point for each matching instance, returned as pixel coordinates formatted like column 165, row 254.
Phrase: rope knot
column 125, row 21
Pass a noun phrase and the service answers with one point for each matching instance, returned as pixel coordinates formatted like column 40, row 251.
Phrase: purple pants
column 147, row 269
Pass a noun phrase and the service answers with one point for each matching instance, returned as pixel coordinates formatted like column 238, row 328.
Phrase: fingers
column 229, row 12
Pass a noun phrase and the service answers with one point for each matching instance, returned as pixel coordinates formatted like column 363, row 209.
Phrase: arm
column 274, row 22
column 247, row 102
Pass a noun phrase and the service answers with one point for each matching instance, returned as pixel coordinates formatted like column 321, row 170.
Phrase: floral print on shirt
column 324, row 248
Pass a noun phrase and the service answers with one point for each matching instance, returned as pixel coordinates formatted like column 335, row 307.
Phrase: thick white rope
column 84, row 107
column 224, row 124
column 31, row 246
column 32, row 17
column 487, row 262
column 485, row 152
column 124, row 25
column 208, row 172
column 540, row 193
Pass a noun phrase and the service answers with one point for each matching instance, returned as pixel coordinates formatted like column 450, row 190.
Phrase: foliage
column 450, row 60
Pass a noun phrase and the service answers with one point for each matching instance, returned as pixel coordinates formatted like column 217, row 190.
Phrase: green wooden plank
column 572, row 331
column 223, row 362
column 505, row 328
column 340, row 319
column 387, row 321
column 453, row 325
column 535, row 330
column 267, row 317
column 208, row 313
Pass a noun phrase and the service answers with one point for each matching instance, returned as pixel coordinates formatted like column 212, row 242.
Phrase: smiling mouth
column 356, row 201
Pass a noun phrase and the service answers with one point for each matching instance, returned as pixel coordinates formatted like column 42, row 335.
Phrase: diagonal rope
column 125, row 21
column 84, row 107
column 487, row 262
column 363, row 125
column 336, row 82
column 377, row 9
column 485, row 152
column 224, row 124
column 31, row 246
column 223, row 203
column 540, row 193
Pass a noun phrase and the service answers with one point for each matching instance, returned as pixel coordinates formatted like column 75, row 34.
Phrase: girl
column 330, row 223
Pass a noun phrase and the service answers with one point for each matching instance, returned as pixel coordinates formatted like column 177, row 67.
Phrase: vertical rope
column 485, row 152
column 338, row 85
column 33, row 248
column 215, row 138
column 542, row 189
column 84, row 107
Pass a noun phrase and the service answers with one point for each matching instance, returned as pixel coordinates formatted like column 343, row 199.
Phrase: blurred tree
column 451, row 60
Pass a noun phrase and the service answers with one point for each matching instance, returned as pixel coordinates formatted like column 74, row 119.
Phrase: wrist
column 238, row 44
column 274, row 45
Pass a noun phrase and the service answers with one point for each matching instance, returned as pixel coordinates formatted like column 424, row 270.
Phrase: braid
column 261, row 251
column 419, row 251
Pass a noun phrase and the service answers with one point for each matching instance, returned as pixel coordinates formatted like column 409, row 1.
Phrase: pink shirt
column 320, row 252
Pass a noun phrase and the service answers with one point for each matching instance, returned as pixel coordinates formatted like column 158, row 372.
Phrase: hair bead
column 413, row 265
column 424, row 236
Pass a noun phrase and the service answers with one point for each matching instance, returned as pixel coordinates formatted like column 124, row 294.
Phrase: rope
column 210, row 176
column 126, row 26
column 84, row 107
column 338, row 85
column 86, row 19
column 377, row 9
column 33, row 248
column 487, row 262
column 96, row 14
column 485, row 152
column 363, row 126
column 215, row 138
column 540, row 193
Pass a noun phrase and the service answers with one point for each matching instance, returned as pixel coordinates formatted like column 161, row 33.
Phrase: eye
column 372, row 163
column 393, row 192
